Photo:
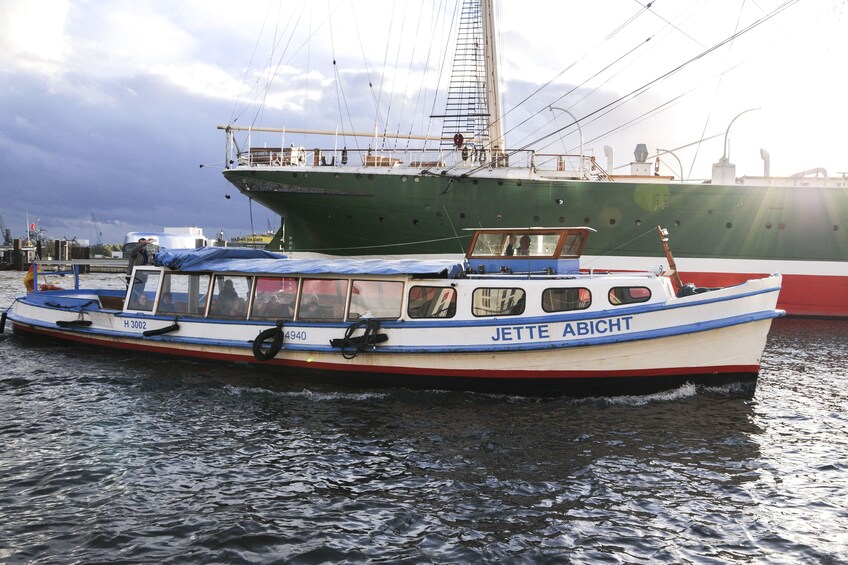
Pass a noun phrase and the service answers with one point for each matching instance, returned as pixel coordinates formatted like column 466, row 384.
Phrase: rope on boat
column 370, row 337
column 276, row 335
column 167, row 329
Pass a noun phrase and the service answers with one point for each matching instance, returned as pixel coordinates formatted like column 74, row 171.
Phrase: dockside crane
column 5, row 233
column 97, row 229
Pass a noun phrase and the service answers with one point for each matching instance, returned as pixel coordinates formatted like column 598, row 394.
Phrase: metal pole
column 661, row 151
column 579, row 130
column 725, row 156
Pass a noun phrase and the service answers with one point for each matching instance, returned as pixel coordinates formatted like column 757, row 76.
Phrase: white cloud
column 32, row 35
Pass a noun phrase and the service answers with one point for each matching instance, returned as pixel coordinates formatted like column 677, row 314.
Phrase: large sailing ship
column 418, row 201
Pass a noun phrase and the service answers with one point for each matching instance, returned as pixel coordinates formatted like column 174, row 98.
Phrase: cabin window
column 143, row 290
column 498, row 302
column 229, row 296
column 274, row 298
column 375, row 299
column 183, row 294
column 432, row 302
column 322, row 300
column 566, row 299
column 571, row 247
column 629, row 295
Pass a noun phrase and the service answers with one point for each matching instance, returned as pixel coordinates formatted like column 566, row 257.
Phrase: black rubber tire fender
column 276, row 336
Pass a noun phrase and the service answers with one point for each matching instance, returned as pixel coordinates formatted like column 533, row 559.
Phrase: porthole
column 677, row 223
column 638, row 222
column 462, row 215
column 781, row 226
column 500, row 183
column 612, row 221
column 336, row 175
column 475, row 181
column 835, row 228
column 768, row 225
column 403, row 178
column 294, row 175
column 562, row 219
column 518, row 183
column 586, row 220
column 380, row 219
column 499, row 217
column 559, row 201
column 536, row 219
column 415, row 222
column 728, row 225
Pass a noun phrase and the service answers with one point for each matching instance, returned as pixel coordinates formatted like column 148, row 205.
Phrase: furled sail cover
column 257, row 261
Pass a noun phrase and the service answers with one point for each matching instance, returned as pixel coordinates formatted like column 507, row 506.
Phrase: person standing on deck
column 137, row 256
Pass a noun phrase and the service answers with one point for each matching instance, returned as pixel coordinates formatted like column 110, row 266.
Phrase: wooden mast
column 663, row 233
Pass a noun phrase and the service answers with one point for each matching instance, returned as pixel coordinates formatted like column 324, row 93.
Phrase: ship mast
column 493, row 91
column 472, row 109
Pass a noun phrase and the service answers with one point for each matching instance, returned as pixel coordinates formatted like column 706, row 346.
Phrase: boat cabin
column 527, row 250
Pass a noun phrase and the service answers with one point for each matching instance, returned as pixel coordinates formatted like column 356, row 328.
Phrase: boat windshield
column 540, row 243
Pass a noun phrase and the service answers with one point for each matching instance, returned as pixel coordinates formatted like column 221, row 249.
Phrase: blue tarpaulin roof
column 257, row 261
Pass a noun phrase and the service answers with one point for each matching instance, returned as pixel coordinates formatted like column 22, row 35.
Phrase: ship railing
column 468, row 158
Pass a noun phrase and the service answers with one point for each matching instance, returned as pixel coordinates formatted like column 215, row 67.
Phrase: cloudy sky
column 108, row 109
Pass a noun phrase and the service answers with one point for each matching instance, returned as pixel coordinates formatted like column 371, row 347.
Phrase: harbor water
column 117, row 457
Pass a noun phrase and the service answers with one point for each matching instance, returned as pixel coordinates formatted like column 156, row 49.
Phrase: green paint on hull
column 377, row 213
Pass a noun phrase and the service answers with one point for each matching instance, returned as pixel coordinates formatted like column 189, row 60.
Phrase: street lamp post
column 579, row 130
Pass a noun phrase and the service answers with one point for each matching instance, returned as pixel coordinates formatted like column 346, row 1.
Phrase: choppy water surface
column 115, row 457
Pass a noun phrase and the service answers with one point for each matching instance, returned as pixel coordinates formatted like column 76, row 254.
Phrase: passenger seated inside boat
column 524, row 248
column 166, row 303
column 139, row 301
column 310, row 309
column 510, row 246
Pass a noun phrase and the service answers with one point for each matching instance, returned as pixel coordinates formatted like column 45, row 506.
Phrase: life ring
column 276, row 343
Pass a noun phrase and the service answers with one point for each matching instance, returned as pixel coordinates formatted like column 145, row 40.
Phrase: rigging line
column 341, row 99
column 563, row 71
column 657, row 15
column 381, row 124
column 233, row 116
column 443, row 66
column 607, row 252
column 367, row 68
column 675, row 70
column 395, row 73
column 437, row 25
column 409, row 72
column 272, row 75
column 598, row 73
column 453, row 228
column 715, row 96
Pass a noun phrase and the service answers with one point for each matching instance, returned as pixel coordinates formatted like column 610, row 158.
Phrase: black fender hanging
column 167, row 329
column 276, row 335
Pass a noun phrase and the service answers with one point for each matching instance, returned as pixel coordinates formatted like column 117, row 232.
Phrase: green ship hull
column 720, row 233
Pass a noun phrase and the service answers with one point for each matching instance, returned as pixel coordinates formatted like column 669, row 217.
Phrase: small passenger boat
column 517, row 315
